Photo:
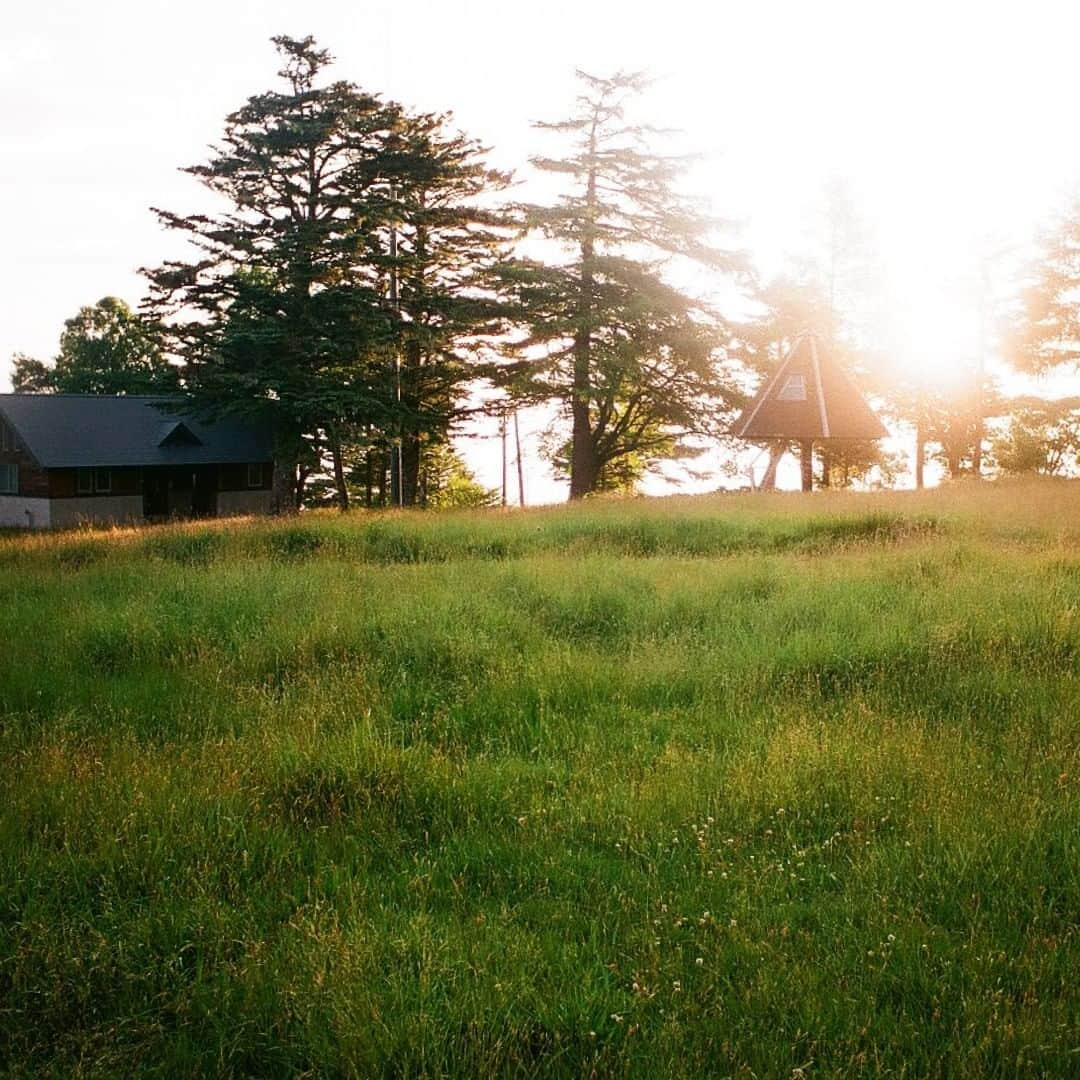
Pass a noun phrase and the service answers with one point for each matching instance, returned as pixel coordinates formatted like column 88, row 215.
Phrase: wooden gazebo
column 809, row 399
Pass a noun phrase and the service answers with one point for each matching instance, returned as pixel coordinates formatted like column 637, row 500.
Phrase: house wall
column 125, row 480
column 96, row 509
column 235, row 477
column 230, row 503
column 20, row 512
column 33, row 482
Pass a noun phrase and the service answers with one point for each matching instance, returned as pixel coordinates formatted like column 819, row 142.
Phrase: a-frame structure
column 808, row 399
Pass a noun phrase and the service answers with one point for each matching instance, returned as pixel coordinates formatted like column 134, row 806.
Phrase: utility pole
column 502, row 434
column 980, row 369
column 520, row 468
column 397, row 486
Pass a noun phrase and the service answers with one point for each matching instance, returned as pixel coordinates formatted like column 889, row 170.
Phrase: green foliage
column 354, row 249
column 858, row 462
column 1045, row 331
column 282, row 315
column 30, row 376
column 1041, row 436
column 447, row 483
column 633, row 361
column 664, row 788
column 104, row 349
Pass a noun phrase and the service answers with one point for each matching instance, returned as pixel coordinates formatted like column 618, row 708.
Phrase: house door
column 155, row 494
column 204, row 485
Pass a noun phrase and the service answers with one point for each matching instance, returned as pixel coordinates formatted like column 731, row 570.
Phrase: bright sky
column 952, row 125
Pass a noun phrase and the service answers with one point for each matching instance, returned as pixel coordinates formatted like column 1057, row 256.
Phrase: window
column 794, row 389
column 84, row 481
column 102, row 481
column 255, row 476
column 7, row 439
column 9, row 479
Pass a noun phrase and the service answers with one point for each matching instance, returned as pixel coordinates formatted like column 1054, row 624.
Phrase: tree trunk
column 302, row 475
column 339, row 472
column 380, row 457
column 920, row 456
column 283, row 491
column 776, row 453
column 826, row 466
column 584, row 468
column 583, row 471
column 806, row 460
column 410, row 468
column 520, row 466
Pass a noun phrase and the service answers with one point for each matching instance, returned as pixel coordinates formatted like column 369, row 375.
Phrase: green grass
column 719, row 786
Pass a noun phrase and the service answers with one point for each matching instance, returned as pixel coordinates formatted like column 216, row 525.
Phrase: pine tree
column 631, row 358
column 1046, row 330
column 336, row 294
column 284, row 315
column 449, row 243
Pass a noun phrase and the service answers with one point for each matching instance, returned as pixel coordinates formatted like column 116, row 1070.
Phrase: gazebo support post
column 806, row 460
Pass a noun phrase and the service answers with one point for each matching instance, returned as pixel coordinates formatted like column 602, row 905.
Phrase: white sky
column 953, row 125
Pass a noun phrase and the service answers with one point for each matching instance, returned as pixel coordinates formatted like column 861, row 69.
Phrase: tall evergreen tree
column 449, row 243
column 285, row 314
column 1045, row 332
column 631, row 358
column 336, row 294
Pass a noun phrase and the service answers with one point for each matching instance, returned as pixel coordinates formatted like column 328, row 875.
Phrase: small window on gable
column 254, row 476
column 794, row 389
column 9, row 479
column 6, row 441
column 84, row 481
column 102, row 481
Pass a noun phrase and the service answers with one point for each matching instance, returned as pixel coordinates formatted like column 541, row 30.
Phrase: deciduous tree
column 106, row 348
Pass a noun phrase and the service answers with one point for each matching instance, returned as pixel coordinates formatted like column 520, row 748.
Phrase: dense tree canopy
column 346, row 256
column 105, row 348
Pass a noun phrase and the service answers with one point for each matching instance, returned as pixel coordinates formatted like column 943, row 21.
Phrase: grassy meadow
column 723, row 786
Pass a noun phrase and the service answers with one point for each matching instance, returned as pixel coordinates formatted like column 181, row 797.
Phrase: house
column 809, row 399
column 66, row 459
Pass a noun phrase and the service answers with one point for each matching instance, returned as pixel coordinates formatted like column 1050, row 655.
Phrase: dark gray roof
column 66, row 430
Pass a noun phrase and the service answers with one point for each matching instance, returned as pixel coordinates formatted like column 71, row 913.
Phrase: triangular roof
column 177, row 433
column 82, row 430
column 808, row 397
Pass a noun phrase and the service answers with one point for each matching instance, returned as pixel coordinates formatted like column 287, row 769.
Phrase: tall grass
column 726, row 786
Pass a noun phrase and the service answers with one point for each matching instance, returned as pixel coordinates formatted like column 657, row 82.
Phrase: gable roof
column 82, row 430
column 808, row 397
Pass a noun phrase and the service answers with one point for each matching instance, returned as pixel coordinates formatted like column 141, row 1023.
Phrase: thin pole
column 502, row 433
column 980, row 371
column 520, row 469
column 397, row 485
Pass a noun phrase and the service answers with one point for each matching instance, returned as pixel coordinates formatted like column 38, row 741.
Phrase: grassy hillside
column 739, row 785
